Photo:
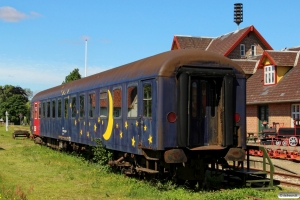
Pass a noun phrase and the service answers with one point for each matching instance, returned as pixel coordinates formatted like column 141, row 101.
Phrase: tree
column 74, row 75
column 13, row 99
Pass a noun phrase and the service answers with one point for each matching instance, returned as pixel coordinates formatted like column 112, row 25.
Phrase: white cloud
column 10, row 14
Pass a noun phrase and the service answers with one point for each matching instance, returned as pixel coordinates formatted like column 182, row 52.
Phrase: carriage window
column 35, row 111
column 117, row 102
column 213, row 100
column 66, row 107
column 40, row 110
column 103, row 104
column 73, row 107
column 203, row 99
column 81, row 105
column 59, row 108
column 44, row 109
column 132, row 101
column 48, row 109
column 53, row 108
column 147, row 100
column 92, row 104
column 194, row 99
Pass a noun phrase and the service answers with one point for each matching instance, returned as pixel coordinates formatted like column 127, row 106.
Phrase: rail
column 266, row 157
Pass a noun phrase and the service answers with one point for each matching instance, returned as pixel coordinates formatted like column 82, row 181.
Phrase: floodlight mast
column 238, row 13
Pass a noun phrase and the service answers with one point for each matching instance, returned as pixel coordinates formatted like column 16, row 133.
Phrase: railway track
column 290, row 180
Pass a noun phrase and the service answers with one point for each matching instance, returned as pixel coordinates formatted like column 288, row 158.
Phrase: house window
column 269, row 74
column 242, row 49
column 295, row 113
column 253, row 50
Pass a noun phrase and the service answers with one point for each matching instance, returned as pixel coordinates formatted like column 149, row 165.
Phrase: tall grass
column 30, row 171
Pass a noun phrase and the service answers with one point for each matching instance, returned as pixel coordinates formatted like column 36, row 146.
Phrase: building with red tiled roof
column 273, row 92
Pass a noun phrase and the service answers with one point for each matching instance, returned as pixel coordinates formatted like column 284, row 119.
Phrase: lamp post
column 6, row 114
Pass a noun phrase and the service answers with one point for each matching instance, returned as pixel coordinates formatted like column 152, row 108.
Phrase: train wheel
column 278, row 142
column 284, row 143
column 293, row 141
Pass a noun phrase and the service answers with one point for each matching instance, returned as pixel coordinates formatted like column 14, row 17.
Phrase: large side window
column 117, row 95
column 81, row 105
column 103, row 103
column 92, row 104
column 48, row 109
column 40, row 110
column 53, row 108
column 59, row 108
column 269, row 72
column 66, row 107
column 147, row 100
column 132, row 101
column 44, row 109
column 73, row 106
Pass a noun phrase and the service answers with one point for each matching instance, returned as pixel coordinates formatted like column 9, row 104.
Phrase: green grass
column 30, row 171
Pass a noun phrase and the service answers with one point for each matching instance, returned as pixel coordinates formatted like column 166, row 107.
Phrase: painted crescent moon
column 110, row 123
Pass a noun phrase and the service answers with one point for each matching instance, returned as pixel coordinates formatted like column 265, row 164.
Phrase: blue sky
column 43, row 41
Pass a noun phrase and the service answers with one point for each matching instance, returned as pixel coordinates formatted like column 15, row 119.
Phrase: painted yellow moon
column 110, row 123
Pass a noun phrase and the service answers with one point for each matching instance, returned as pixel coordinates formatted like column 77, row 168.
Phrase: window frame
column 147, row 99
column 72, row 110
column 91, row 106
column 269, row 75
column 82, row 114
column 113, row 96
column 101, row 92
column 59, row 108
column 242, row 50
column 53, row 108
column 253, row 50
column 127, row 99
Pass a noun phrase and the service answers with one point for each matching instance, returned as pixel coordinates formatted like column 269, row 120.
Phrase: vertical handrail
column 265, row 157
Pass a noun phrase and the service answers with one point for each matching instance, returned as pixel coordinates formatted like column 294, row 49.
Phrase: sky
column 41, row 42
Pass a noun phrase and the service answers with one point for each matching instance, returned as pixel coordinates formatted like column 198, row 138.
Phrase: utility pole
column 6, row 114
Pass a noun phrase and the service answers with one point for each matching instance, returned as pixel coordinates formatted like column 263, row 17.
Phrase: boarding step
column 142, row 169
column 257, row 182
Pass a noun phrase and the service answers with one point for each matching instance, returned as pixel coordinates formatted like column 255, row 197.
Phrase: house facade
column 273, row 97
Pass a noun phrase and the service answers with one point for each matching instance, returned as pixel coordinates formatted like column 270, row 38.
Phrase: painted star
column 126, row 124
column 70, row 105
column 84, row 123
column 121, row 134
column 136, row 123
column 75, row 122
column 150, row 139
column 95, row 127
column 89, row 123
column 132, row 141
column 102, row 122
column 99, row 119
column 145, row 127
column 88, row 134
column 117, row 125
column 80, row 132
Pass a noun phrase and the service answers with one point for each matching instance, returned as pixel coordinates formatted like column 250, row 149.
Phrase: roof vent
column 238, row 13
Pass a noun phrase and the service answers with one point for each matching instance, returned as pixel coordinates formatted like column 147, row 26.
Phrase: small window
column 81, row 106
column 53, row 108
column 103, row 104
column 40, row 111
column 269, row 74
column 132, row 100
column 117, row 102
column 66, row 107
column 92, row 104
column 59, row 108
column 48, row 109
column 73, row 107
column 34, row 110
column 253, row 50
column 242, row 49
column 147, row 100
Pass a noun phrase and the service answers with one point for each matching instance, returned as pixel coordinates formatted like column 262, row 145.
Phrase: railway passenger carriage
column 174, row 112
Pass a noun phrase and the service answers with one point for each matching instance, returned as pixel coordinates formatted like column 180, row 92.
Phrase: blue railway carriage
column 177, row 112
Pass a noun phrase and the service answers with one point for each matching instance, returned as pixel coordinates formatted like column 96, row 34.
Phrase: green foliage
column 74, row 75
column 13, row 99
column 101, row 154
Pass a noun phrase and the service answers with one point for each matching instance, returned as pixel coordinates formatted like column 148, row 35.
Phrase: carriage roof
column 163, row 64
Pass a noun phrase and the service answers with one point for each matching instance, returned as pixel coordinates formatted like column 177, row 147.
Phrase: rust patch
column 235, row 154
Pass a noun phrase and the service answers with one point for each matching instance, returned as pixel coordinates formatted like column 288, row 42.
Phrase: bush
column 101, row 154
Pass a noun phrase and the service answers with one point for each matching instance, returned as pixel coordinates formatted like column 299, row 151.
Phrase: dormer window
column 253, row 50
column 242, row 49
column 269, row 74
